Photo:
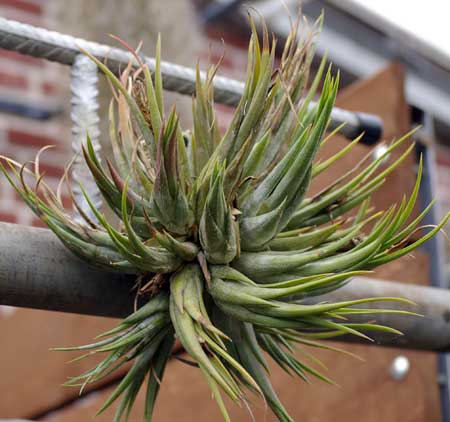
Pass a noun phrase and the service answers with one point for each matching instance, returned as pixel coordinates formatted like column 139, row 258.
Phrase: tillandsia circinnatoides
column 222, row 231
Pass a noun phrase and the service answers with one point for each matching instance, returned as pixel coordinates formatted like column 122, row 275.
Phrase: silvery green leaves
column 269, row 207
column 255, row 98
column 205, row 135
column 244, row 346
column 267, row 306
column 227, row 244
column 202, row 340
column 218, row 232
column 170, row 204
column 144, row 338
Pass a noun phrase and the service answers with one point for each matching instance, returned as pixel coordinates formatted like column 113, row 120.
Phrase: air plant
column 222, row 231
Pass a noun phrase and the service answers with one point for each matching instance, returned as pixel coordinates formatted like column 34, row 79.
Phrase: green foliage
column 225, row 231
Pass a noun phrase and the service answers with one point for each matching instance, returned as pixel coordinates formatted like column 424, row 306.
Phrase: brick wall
column 40, row 84
column 31, row 333
column 36, row 83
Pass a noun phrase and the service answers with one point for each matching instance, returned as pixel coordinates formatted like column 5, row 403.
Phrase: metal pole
column 39, row 42
column 430, row 332
column 36, row 271
column 435, row 249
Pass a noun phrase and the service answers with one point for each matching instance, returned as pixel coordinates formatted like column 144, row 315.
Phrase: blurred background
column 394, row 59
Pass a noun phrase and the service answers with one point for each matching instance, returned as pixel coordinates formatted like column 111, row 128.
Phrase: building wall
column 31, row 375
column 30, row 333
column 44, row 85
column 36, row 83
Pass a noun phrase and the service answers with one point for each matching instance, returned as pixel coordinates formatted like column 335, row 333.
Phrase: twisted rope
column 85, row 119
column 53, row 46
column 39, row 42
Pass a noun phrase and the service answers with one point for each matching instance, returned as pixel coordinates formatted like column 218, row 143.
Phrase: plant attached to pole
column 221, row 232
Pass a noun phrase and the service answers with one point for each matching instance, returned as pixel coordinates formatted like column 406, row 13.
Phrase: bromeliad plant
column 220, row 230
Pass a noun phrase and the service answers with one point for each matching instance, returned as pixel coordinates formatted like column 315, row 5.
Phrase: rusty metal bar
column 36, row 271
column 430, row 332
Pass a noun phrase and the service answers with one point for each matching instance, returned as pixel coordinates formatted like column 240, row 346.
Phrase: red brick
column 23, row 5
column 8, row 217
column 13, row 81
column 232, row 38
column 214, row 57
column 14, row 55
column 51, row 170
column 46, row 169
column 49, row 89
column 20, row 137
column 443, row 160
column 37, row 222
column 67, row 201
column 224, row 109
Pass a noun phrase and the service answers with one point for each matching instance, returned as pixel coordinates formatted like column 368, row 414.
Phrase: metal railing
column 37, row 271
column 64, row 49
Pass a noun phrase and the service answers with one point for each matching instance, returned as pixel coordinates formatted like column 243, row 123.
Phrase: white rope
column 85, row 122
column 53, row 46
column 62, row 48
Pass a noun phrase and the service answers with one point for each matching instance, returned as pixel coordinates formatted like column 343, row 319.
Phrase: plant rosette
column 220, row 229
